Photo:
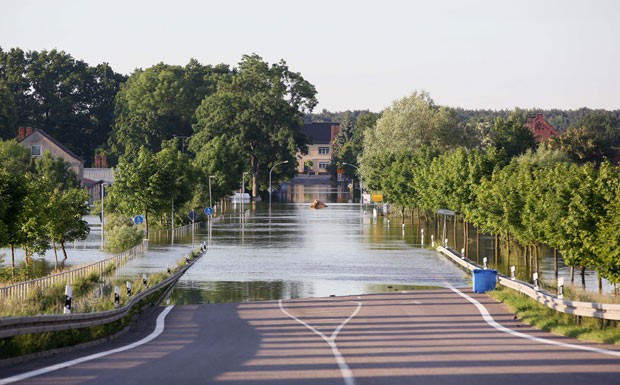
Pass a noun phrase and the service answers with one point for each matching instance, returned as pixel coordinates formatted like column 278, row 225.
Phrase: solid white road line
column 345, row 371
column 489, row 319
column 159, row 328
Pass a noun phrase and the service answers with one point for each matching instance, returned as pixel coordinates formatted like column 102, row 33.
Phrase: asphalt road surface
column 416, row 337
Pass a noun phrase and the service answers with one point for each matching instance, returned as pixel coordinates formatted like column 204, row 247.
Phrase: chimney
column 104, row 161
column 21, row 133
column 28, row 131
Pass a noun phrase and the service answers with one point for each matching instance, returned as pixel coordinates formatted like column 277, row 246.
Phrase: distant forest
column 560, row 119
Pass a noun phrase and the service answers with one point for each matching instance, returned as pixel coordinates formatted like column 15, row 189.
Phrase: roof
column 99, row 174
column 318, row 133
column 57, row 143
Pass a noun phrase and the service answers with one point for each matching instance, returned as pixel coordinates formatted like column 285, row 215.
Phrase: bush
column 121, row 235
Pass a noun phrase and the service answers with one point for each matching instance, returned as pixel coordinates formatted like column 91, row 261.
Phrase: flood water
column 294, row 251
column 288, row 250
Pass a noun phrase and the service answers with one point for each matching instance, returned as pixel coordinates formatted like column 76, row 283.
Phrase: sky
column 474, row 54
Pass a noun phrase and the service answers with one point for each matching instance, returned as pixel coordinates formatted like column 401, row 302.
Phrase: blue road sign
column 208, row 211
column 192, row 215
column 138, row 219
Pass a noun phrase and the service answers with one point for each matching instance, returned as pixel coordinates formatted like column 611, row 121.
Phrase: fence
column 21, row 290
column 578, row 308
column 176, row 232
column 48, row 323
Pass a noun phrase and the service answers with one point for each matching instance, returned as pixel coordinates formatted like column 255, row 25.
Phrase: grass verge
column 533, row 313
column 33, row 343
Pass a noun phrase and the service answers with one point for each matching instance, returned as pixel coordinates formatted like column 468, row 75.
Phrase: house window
column 324, row 165
column 35, row 150
column 323, row 150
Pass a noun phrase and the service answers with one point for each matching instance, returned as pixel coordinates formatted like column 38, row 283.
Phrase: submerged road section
column 418, row 337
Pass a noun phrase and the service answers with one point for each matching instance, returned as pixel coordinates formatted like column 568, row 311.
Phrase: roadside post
column 68, row 298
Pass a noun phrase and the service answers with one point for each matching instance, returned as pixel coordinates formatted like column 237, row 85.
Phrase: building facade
column 38, row 142
column 320, row 154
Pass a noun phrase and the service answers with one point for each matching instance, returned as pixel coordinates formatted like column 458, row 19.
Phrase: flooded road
column 292, row 251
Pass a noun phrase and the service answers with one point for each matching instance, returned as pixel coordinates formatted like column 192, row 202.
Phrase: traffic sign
column 192, row 215
column 208, row 211
column 138, row 219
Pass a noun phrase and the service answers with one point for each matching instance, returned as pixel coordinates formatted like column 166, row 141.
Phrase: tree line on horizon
column 208, row 126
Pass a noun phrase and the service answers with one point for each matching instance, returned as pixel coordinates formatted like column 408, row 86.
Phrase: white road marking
column 345, row 371
column 159, row 328
column 489, row 319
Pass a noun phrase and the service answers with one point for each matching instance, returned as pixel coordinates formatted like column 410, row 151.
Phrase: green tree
column 14, row 158
column 61, row 95
column 8, row 111
column 150, row 183
column 511, row 136
column 258, row 113
column 64, row 211
column 595, row 137
column 159, row 103
column 13, row 192
column 56, row 206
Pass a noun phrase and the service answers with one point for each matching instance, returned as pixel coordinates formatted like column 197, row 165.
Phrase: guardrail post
column 432, row 240
column 117, row 295
column 535, row 277
column 144, row 281
column 463, row 253
column 128, row 289
column 513, row 271
column 68, row 298
column 484, row 262
column 561, row 288
column 422, row 236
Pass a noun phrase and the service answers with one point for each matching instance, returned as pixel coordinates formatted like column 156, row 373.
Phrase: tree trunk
column 146, row 223
column 600, row 284
column 583, row 277
column 477, row 245
column 496, row 245
column 572, row 275
column 55, row 255
column 507, row 251
column 12, row 259
column 64, row 251
column 555, row 263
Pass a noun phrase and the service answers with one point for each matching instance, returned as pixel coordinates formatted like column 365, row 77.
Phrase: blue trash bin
column 484, row 280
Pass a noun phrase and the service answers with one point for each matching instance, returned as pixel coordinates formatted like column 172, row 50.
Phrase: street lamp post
column 243, row 183
column 210, row 202
column 286, row 161
column 358, row 171
column 103, row 186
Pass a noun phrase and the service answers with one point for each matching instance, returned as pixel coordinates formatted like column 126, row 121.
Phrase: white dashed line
column 347, row 374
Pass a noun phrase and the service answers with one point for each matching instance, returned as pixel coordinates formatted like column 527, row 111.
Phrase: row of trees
column 41, row 202
column 50, row 90
column 500, row 180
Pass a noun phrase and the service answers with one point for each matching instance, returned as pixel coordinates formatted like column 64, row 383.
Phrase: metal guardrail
column 50, row 323
column 578, row 308
column 21, row 290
